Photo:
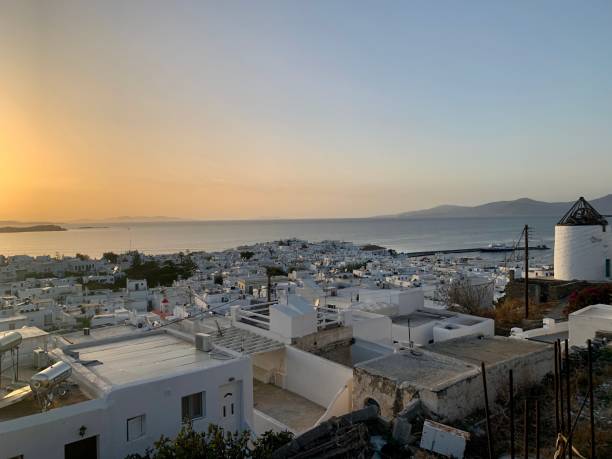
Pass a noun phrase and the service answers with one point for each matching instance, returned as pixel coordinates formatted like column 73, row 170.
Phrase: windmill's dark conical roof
column 582, row 213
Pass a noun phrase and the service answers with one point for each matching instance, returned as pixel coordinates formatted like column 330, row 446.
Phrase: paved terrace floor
column 293, row 410
column 29, row 405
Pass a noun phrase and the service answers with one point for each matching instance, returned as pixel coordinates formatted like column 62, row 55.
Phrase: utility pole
column 591, row 415
column 526, row 231
column 511, row 390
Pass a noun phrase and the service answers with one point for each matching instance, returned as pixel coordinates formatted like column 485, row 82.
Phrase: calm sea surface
column 167, row 237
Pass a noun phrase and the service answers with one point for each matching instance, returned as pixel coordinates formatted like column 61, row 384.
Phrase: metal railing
column 254, row 318
column 327, row 317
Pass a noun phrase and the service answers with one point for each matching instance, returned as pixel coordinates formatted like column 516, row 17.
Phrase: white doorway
column 231, row 404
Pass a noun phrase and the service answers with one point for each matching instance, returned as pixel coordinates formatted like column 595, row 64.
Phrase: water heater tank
column 56, row 373
column 9, row 341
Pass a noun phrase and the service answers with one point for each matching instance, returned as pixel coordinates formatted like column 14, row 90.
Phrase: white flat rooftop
column 104, row 332
column 601, row 311
column 12, row 318
column 26, row 332
column 146, row 357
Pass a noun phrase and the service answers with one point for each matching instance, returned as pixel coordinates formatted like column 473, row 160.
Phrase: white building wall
column 369, row 326
column 420, row 335
column 45, row 434
column 262, row 423
column 581, row 252
column 485, row 327
column 550, row 327
column 159, row 400
column 315, row 378
column 583, row 324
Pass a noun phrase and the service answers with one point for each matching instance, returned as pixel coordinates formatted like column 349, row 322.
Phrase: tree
column 219, row 279
column 215, row 443
column 464, row 295
column 136, row 258
column 111, row 257
column 270, row 272
column 163, row 275
column 247, row 255
column 82, row 257
column 268, row 442
column 350, row 267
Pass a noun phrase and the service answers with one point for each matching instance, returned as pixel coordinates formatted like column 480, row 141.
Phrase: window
column 607, row 267
column 135, row 427
column 193, row 406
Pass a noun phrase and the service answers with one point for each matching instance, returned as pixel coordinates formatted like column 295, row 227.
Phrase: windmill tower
column 583, row 245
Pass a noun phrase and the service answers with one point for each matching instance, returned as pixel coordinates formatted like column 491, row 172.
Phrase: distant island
column 30, row 229
column 130, row 219
column 523, row 207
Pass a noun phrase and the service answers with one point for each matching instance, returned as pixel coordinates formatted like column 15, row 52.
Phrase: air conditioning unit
column 40, row 358
column 203, row 342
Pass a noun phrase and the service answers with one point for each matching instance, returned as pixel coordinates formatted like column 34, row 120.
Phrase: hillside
column 517, row 208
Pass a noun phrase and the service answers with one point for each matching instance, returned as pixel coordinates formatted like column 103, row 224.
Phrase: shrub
column 588, row 296
column 215, row 443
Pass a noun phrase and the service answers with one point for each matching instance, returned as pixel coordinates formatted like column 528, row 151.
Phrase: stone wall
column 453, row 400
column 324, row 340
column 466, row 395
column 543, row 290
column 390, row 397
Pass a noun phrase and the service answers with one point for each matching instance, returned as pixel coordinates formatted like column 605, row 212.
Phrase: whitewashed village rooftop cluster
column 274, row 336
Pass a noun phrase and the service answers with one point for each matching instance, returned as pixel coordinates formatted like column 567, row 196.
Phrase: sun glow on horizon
column 223, row 111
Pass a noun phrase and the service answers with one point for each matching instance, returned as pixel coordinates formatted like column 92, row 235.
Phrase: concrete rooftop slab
column 293, row 410
column 420, row 317
column 417, row 368
column 96, row 334
column 144, row 357
column 489, row 349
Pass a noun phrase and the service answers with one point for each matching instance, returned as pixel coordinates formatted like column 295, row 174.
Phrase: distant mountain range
column 523, row 207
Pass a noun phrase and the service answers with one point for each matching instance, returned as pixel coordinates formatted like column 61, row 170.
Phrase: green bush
column 215, row 443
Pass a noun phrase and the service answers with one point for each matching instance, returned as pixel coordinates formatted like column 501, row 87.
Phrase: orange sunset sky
column 217, row 110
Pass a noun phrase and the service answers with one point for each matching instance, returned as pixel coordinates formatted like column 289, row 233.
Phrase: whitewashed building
column 125, row 391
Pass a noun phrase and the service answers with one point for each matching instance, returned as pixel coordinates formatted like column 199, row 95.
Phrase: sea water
column 401, row 234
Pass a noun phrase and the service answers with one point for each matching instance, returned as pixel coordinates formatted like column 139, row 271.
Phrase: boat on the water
column 498, row 247
column 503, row 247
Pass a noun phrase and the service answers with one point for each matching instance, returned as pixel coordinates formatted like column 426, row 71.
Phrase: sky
column 266, row 109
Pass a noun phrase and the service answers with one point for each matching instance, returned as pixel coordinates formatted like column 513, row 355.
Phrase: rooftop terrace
column 420, row 369
column 293, row 410
column 17, row 400
column 147, row 356
column 490, row 350
column 420, row 317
